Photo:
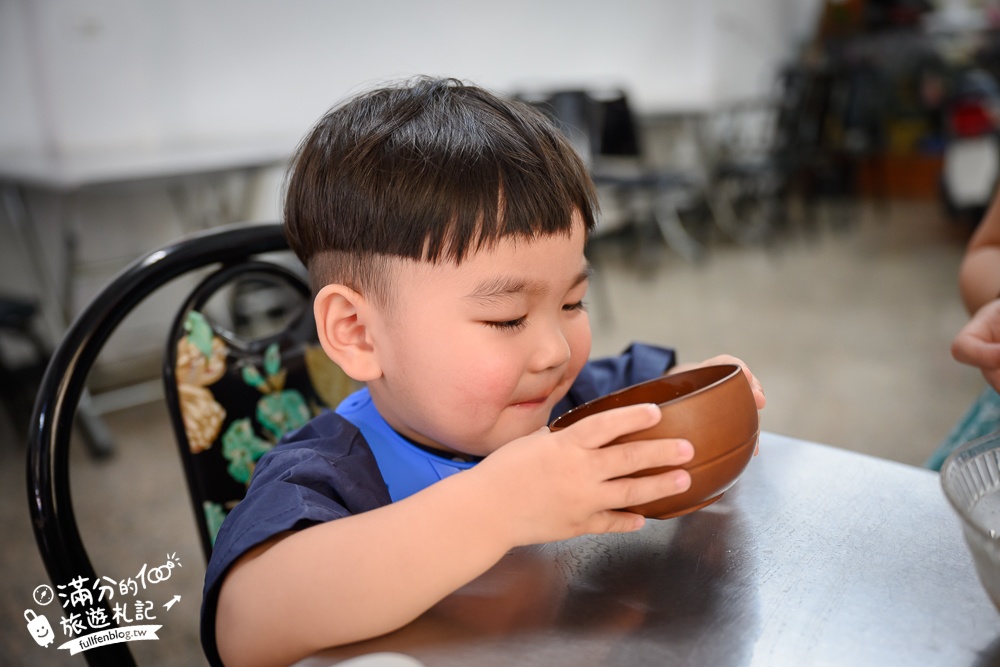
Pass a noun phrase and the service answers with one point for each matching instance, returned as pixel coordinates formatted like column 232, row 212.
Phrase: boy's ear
column 342, row 324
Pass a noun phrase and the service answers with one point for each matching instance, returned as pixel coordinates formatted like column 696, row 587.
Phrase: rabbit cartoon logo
column 39, row 628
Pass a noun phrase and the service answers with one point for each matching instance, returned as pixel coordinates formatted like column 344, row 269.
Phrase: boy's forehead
column 511, row 264
column 501, row 284
column 535, row 266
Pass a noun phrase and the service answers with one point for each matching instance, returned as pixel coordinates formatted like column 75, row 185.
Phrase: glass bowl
column 970, row 477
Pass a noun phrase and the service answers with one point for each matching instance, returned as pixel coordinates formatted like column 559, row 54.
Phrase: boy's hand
column 755, row 385
column 552, row 486
column 978, row 342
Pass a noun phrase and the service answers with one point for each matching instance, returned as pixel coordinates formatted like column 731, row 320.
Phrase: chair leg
column 668, row 221
column 96, row 436
column 745, row 208
column 94, row 431
column 604, row 315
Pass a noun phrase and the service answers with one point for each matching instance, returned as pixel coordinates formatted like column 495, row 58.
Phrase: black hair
column 430, row 170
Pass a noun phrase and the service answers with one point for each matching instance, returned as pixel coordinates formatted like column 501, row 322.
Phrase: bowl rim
column 734, row 369
column 969, row 450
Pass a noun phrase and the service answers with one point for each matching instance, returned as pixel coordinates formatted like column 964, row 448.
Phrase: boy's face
column 476, row 355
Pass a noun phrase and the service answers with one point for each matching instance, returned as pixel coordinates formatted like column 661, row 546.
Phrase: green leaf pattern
column 272, row 360
column 253, row 378
column 199, row 332
column 282, row 411
column 242, row 448
column 214, row 516
column 278, row 411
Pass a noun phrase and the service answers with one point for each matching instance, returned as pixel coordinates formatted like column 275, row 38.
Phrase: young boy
column 444, row 228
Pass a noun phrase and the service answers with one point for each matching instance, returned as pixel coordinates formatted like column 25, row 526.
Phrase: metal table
column 817, row 556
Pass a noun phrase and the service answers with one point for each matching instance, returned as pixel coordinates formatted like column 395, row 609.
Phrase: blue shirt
column 350, row 461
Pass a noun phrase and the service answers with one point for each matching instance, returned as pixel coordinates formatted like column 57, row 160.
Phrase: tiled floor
column 847, row 326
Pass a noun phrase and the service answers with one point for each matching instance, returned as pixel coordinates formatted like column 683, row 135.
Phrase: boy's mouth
column 534, row 402
column 545, row 396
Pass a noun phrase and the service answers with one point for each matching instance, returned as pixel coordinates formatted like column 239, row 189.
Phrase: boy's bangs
column 480, row 206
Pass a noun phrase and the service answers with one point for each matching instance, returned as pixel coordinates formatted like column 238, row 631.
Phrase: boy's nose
column 553, row 349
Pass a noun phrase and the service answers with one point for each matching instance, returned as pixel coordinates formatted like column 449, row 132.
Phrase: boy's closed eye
column 509, row 325
column 520, row 322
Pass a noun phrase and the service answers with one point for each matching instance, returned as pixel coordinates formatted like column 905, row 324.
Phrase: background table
column 43, row 222
column 40, row 192
column 817, row 556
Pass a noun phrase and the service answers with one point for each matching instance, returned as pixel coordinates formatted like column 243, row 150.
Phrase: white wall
column 86, row 75
column 750, row 37
column 94, row 73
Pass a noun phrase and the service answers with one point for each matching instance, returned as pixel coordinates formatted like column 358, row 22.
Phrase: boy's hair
column 428, row 170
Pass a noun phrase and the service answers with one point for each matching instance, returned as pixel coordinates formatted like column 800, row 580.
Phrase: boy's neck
column 452, row 456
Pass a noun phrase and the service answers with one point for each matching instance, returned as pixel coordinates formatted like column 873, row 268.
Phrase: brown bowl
column 713, row 407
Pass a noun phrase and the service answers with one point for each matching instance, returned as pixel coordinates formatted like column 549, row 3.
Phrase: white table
column 69, row 174
column 38, row 191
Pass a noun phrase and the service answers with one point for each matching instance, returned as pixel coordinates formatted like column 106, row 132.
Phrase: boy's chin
column 489, row 443
column 526, row 428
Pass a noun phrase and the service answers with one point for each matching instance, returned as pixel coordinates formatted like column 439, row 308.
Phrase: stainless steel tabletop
column 817, row 556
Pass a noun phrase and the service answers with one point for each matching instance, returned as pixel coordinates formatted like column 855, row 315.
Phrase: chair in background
column 809, row 140
column 20, row 374
column 746, row 183
column 229, row 397
column 601, row 126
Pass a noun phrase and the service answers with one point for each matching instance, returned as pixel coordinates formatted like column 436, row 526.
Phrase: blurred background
column 789, row 181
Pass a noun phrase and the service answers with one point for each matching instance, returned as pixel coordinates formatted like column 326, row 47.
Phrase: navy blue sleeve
column 323, row 471
column 599, row 377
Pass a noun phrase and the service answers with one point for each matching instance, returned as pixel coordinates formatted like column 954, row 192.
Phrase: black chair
column 829, row 128
column 216, row 381
column 602, row 127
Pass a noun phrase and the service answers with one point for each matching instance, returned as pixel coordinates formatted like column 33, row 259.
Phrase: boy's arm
column 355, row 577
column 371, row 573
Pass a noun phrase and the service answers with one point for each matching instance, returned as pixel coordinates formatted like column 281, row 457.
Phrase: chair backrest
column 233, row 390
column 619, row 131
column 599, row 123
column 268, row 369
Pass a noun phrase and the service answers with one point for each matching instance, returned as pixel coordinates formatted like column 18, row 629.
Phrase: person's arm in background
column 978, row 343
column 979, row 275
